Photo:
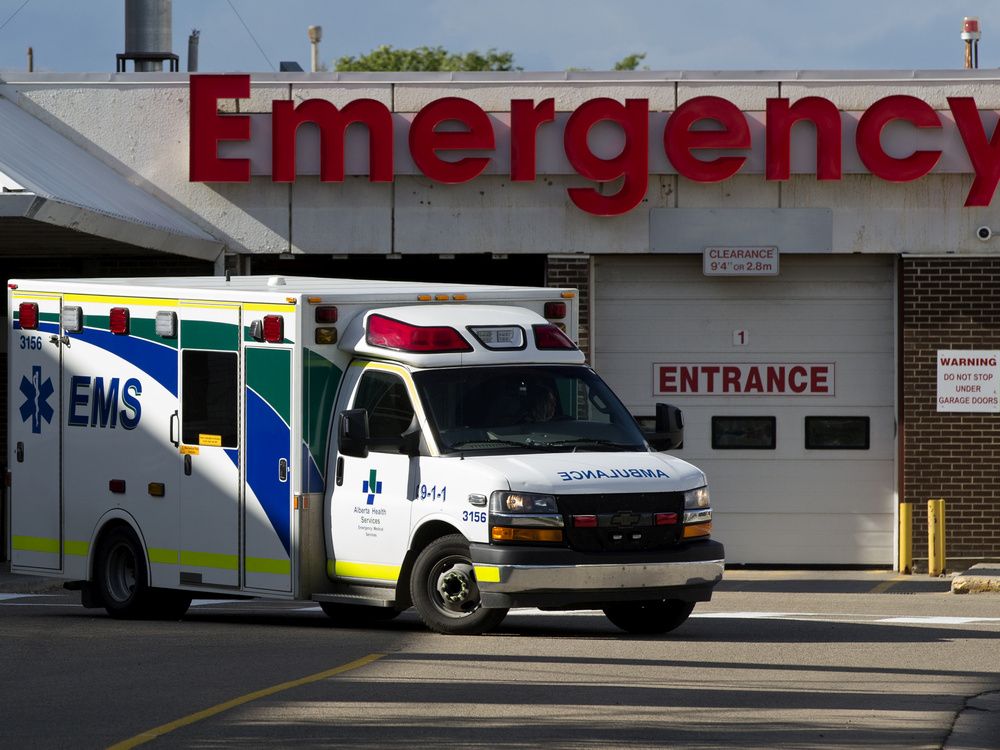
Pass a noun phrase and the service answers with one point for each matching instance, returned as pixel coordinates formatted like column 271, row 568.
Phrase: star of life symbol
column 36, row 399
column 372, row 487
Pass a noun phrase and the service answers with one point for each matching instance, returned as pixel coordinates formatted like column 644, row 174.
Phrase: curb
column 979, row 579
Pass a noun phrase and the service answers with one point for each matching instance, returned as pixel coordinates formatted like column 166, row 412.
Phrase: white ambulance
column 367, row 445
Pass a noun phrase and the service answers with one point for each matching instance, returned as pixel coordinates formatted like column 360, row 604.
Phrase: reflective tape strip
column 77, row 549
column 209, row 560
column 487, row 573
column 163, row 556
column 268, row 565
column 366, row 570
column 35, row 544
column 260, row 307
column 35, row 295
column 115, row 300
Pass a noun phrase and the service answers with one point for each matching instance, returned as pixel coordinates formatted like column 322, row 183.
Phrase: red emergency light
column 274, row 329
column 395, row 334
column 119, row 320
column 555, row 310
column 548, row 336
column 27, row 315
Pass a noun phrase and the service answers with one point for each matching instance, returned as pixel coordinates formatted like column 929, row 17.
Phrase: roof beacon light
column 548, row 336
column 499, row 337
column 274, row 329
column 395, row 334
column 27, row 315
column 118, row 321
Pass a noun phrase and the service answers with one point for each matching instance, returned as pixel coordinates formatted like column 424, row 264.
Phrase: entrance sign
column 968, row 380
column 744, row 379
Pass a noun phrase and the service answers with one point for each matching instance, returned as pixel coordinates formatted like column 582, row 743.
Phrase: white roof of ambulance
column 263, row 288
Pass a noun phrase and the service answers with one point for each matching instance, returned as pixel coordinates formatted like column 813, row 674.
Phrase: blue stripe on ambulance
column 271, row 438
column 156, row 360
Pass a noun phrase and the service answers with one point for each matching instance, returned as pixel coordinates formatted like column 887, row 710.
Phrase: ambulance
column 366, row 445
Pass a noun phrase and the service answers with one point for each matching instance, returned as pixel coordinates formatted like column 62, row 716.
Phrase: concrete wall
column 139, row 125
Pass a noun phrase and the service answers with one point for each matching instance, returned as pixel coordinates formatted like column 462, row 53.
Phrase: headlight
column 502, row 501
column 696, row 498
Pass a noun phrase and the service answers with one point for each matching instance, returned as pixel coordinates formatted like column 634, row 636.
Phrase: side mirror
column 352, row 433
column 669, row 432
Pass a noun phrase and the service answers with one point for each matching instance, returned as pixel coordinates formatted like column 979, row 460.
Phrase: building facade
column 803, row 262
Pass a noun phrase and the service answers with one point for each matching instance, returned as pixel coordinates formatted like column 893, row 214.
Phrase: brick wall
column 949, row 304
column 573, row 271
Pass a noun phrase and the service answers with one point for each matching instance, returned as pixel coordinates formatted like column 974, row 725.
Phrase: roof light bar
column 395, row 334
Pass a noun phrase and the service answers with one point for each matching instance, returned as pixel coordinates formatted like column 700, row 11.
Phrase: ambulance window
column 209, row 401
column 746, row 433
column 390, row 411
column 838, row 433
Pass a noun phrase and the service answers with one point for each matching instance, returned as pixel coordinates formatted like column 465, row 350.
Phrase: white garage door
column 787, row 389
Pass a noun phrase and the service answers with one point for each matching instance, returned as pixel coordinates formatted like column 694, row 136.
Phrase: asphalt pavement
column 975, row 727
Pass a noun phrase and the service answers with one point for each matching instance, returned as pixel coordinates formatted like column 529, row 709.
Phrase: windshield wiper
column 590, row 443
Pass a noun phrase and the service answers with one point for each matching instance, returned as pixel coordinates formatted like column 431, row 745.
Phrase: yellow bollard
column 935, row 537
column 906, row 538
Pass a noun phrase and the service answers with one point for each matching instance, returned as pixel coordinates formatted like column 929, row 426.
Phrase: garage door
column 787, row 388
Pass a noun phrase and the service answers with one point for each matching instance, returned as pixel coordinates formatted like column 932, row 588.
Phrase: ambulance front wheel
column 444, row 590
column 120, row 575
column 650, row 618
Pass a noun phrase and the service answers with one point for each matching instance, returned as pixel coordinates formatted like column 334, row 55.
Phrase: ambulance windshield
column 530, row 408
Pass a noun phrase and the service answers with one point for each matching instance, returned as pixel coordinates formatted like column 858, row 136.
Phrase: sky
column 544, row 35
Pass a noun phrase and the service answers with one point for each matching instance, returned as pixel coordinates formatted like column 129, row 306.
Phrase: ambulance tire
column 444, row 590
column 165, row 604
column 349, row 615
column 650, row 618
column 120, row 575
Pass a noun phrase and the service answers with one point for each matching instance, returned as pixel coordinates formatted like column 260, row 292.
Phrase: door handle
column 20, row 452
column 340, row 470
column 174, row 420
column 187, row 465
column 283, row 470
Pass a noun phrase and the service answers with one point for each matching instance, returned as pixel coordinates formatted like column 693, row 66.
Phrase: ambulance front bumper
column 564, row 579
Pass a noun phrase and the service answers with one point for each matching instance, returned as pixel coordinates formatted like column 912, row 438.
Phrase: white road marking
column 8, row 597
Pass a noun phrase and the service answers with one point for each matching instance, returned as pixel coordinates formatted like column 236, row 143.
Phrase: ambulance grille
column 626, row 522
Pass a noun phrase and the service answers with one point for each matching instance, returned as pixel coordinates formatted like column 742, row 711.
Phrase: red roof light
column 550, row 337
column 395, row 334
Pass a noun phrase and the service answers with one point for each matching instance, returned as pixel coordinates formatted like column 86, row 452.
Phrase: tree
column 389, row 60
column 630, row 62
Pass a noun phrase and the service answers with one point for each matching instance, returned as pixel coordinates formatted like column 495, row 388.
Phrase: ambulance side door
column 35, row 415
column 373, row 496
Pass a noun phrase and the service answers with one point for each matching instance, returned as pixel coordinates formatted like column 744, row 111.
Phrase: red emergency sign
column 744, row 379
column 706, row 139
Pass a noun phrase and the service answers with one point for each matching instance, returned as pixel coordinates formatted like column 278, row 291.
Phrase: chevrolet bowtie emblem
column 625, row 518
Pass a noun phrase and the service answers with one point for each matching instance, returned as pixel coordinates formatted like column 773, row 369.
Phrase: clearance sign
column 744, row 379
column 452, row 140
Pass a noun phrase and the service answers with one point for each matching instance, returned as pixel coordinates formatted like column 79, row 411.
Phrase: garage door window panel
column 838, row 433
column 744, row 433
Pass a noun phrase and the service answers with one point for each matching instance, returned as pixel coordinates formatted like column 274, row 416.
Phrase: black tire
column 166, row 604
column 120, row 575
column 650, row 618
column 349, row 615
column 444, row 589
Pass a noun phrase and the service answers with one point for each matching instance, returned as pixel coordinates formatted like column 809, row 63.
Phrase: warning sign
column 968, row 380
